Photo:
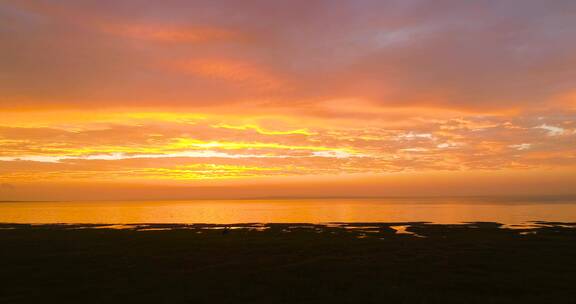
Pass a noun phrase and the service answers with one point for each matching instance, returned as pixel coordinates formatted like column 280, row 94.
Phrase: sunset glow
column 278, row 96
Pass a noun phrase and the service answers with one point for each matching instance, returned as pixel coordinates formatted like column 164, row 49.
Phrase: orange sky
column 196, row 99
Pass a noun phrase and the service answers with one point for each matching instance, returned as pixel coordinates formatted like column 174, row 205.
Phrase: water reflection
column 403, row 229
column 288, row 211
column 381, row 231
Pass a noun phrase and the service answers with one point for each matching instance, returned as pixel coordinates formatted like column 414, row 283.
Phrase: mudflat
column 289, row 263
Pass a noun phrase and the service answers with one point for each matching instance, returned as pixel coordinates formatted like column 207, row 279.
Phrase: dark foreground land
column 280, row 263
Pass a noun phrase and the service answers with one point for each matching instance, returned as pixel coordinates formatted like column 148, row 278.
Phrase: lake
column 439, row 210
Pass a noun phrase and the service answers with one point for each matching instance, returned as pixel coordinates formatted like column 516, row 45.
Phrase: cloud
column 552, row 130
column 235, row 72
column 482, row 57
column 169, row 144
column 102, row 90
column 171, row 34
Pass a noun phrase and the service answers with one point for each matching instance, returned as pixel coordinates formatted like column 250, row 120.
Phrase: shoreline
column 289, row 263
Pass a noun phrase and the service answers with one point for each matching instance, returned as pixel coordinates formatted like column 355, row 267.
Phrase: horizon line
column 547, row 197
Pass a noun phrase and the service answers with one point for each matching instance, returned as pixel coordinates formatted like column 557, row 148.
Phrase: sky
column 174, row 99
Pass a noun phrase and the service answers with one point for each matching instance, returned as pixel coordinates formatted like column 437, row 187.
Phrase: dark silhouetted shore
column 288, row 263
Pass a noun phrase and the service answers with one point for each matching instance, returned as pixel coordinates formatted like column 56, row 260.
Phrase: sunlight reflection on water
column 288, row 211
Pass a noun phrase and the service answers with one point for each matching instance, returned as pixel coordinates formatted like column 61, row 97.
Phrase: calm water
column 440, row 210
